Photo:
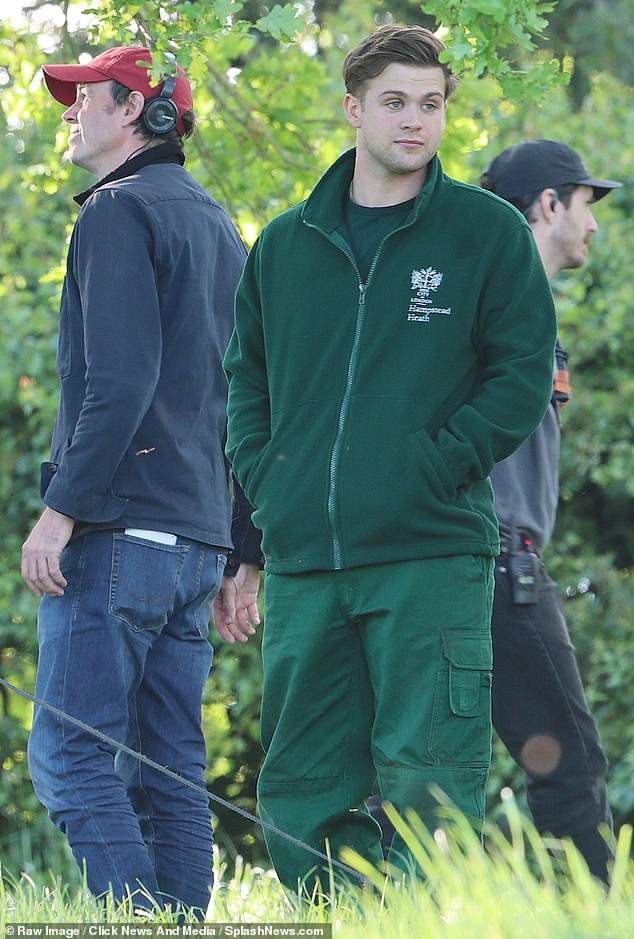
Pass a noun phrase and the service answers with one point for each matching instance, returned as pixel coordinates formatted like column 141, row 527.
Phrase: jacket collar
column 163, row 153
column 324, row 206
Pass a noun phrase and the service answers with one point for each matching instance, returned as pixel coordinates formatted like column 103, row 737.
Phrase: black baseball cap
column 534, row 165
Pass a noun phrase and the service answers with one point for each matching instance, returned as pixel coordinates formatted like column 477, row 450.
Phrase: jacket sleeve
column 245, row 536
column 515, row 340
column 249, row 411
column 122, row 350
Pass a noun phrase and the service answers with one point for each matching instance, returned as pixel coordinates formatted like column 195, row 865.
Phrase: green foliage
column 280, row 22
column 484, row 36
column 259, row 148
column 31, row 246
column 231, row 719
column 596, row 37
column 184, row 28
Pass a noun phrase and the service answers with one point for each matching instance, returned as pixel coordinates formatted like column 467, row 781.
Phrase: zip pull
column 362, row 290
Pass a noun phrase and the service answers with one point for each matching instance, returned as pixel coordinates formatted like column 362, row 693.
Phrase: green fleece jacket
column 365, row 418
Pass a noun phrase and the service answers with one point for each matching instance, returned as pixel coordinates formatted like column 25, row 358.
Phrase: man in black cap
column 539, row 707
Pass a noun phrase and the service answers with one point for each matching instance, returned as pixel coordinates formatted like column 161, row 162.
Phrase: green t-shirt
column 365, row 227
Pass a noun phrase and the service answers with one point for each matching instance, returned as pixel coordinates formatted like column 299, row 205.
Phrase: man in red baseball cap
column 137, row 525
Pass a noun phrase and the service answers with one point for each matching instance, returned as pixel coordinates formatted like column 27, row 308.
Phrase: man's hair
column 526, row 202
column 121, row 93
column 411, row 45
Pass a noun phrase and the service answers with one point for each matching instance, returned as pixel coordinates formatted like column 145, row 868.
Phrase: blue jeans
column 126, row 650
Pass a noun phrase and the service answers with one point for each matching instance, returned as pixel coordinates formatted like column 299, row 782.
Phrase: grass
column 518, row 887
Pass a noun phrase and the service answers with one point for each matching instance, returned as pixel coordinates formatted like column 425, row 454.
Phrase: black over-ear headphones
column 160, row 113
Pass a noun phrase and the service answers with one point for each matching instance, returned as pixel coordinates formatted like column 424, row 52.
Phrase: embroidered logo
column 423, row 283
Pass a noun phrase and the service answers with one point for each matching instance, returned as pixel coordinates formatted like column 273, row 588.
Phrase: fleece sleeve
column 249, row 412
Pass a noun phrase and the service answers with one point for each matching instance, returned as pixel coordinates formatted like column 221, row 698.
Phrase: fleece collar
column 324, row 206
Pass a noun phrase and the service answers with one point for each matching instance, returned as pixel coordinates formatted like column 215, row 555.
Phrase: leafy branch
column 488, row 37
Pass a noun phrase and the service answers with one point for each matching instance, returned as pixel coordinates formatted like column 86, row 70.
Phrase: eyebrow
column 404, row 94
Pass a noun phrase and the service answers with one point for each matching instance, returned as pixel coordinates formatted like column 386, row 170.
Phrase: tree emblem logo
column 424, row 281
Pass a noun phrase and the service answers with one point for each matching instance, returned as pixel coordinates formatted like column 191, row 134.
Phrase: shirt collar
column 163, row 153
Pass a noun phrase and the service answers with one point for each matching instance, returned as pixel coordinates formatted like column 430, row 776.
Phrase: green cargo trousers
column 373, row 676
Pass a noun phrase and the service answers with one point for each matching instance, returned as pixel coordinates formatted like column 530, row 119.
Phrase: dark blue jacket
column 146, row 314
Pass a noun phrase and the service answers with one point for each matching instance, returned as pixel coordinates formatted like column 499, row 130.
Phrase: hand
column 235, row 608
column 42, row 550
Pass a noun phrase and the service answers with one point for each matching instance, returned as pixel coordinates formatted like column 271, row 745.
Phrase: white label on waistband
column 162, row 537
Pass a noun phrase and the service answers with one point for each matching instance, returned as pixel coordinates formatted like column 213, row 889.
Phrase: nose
column 70, row 114
column 410, row 116
column 592, row 225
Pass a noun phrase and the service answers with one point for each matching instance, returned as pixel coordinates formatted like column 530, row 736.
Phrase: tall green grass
column 517, row 887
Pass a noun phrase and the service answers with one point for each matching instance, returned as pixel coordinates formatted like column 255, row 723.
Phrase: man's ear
column 548, row 201
column 352, row 109
column 133, row 107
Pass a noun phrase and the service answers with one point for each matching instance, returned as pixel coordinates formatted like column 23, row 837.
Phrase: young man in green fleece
column 394, row 339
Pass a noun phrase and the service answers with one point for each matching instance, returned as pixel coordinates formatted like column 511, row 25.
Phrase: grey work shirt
column 526, row 484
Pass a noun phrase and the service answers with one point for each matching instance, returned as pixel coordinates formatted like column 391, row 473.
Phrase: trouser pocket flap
column 470, row 662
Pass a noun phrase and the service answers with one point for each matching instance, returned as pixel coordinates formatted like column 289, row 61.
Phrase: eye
column 393, row 105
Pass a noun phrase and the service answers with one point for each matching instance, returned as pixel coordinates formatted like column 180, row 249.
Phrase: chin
column 77, row 160
column 72, row 155
column 574, row 261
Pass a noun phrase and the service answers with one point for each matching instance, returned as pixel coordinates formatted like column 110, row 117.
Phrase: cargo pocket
column 460, row 731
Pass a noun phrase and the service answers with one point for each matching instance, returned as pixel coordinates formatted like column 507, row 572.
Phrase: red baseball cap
column 118, row 64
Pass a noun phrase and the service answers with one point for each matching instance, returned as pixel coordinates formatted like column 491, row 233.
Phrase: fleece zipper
column 341, row 427
column 335, row 453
